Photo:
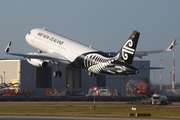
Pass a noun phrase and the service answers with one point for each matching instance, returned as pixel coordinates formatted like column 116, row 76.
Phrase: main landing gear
column 91, row 74
column 57, row 73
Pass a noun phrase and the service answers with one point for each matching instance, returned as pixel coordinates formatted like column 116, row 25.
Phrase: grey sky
column 103, row 24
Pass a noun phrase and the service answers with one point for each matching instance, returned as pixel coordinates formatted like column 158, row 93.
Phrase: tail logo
column 127, row 49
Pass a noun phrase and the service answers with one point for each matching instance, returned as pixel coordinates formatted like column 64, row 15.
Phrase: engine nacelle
column 37, row 62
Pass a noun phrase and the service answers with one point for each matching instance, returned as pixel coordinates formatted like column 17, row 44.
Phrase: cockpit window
column 29, row 33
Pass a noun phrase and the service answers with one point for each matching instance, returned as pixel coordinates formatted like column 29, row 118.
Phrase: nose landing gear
column 91, row 74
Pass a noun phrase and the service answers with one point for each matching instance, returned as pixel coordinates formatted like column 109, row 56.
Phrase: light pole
column 95, row 91
column 122, row 85
column 4, row 76
column 173, row 68
column 1, row 79
column 160, row 85
column 170, row 80
column 68, row 89
column 154, row 78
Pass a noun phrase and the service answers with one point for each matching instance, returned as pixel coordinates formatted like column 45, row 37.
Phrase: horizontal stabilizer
column 148, row 68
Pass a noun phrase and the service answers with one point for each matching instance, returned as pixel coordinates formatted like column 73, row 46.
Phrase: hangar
column 27, row 77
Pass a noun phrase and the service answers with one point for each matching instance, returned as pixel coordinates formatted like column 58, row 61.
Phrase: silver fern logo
column 127, row 50
column 96, row 63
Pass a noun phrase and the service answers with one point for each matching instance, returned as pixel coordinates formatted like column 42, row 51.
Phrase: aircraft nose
column 28, row 38
column 137, row 71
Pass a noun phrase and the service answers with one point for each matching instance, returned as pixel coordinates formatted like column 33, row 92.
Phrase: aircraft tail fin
column 128, row 50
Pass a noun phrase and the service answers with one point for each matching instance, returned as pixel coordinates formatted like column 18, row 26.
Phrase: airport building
column 19, row 74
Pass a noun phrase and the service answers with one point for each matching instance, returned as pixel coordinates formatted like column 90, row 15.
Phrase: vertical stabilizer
column 128, row 50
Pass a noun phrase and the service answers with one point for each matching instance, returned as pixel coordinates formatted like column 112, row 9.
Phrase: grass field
column 102, row 109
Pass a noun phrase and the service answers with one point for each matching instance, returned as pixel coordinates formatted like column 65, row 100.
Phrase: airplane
column 57, row 49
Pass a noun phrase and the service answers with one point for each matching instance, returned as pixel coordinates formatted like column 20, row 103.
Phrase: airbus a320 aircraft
column 58, row 49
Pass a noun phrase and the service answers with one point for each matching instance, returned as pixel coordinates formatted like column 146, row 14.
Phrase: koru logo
column 127, row 49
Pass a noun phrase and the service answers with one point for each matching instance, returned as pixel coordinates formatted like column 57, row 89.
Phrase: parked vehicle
column 157, row 99
column 102, row 91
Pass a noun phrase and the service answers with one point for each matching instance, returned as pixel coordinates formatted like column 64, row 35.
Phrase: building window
column 43, row 77
column 73, row 78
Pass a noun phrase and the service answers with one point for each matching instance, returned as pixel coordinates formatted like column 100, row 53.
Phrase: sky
column 103, row 24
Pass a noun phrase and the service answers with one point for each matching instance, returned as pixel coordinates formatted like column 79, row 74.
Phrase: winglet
column 171, row 45
column 7, row 48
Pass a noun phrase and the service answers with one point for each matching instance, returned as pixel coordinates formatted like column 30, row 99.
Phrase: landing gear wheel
column 91, row 74
column 57, row 73
column 54, row 74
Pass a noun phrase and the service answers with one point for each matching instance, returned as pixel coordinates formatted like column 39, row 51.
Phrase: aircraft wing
column 42, row 56
column 140, row 54
column 145, row 53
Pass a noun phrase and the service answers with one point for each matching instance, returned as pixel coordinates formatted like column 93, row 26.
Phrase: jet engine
column 37, row 62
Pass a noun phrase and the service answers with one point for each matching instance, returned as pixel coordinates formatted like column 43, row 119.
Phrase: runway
column 65, row 118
